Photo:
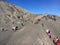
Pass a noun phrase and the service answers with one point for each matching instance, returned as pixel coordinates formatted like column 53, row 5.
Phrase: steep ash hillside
column 11, row 15
column 20, row 27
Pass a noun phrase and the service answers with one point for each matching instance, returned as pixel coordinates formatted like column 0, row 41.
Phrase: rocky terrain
column 30, row 27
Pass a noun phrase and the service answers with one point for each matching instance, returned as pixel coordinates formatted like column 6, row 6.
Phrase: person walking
column 49, row 33
column 55, row 40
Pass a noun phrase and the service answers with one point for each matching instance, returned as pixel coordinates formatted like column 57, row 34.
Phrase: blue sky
column 39, row 6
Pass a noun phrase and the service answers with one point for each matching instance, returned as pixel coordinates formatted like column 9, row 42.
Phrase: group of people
column 56, row 41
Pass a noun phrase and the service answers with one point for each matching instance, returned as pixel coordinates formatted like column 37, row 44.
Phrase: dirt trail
column 30, row 35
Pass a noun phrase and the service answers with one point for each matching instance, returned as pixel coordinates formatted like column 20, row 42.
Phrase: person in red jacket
column 58, row 42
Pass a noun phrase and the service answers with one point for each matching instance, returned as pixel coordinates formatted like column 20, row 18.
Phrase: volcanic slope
column 31, row 27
